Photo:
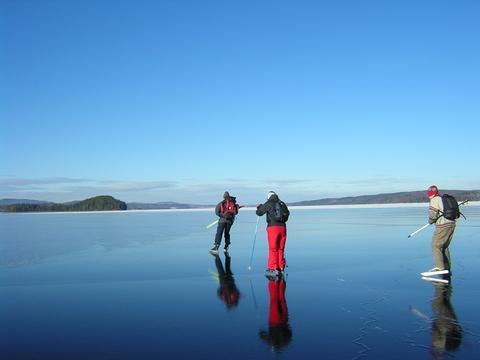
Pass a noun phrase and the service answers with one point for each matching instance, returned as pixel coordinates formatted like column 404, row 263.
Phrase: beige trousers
column 440, row 242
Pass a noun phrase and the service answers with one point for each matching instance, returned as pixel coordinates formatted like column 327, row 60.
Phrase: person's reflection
column 446, row 331
column 279, row 333
column 227, row 290
column 447, row 262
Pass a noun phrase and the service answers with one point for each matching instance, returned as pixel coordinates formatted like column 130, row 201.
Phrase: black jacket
column 269, row 209
column 218, row 207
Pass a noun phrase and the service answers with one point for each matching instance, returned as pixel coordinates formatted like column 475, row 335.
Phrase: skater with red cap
column 443, row 212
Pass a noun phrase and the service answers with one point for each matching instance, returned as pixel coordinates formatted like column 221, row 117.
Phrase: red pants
column 278, row 304
column 277, row 237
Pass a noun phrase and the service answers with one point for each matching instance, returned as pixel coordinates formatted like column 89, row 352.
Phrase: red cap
column 432, row 191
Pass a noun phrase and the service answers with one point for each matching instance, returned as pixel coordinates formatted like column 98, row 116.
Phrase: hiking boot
column 225, row 249
column 214, row 250
column 271, row 273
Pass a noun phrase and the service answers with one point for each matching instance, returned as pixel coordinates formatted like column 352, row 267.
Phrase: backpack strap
column 222, row 208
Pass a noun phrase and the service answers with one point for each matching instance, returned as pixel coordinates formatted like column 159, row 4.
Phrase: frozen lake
column 143, row 286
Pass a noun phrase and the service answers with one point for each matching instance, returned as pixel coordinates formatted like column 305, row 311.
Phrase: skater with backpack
column 277, row 217
column 226, row 211
column 443, row 212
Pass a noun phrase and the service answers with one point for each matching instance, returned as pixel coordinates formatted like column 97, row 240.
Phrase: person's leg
column 440, row 238
column 281, row 247
column 275, row 317
column 218, row 236
column 228, row 226
column 282, row 301
column 228, row 261
column 272, row 233
column 219, row 266
column 446, row 251
column 446, row 259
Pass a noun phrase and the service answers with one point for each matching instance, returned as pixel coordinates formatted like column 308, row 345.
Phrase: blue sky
column 181, row 100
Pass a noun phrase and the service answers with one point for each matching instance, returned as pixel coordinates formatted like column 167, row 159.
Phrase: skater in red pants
column 277, row 216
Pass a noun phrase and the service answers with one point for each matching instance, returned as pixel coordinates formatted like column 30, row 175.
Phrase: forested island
column 97, row 203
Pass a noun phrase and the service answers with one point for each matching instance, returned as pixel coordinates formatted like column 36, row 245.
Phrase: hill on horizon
column 97, row 203
column 106, row 202
column 390, row 198
column 5, row 202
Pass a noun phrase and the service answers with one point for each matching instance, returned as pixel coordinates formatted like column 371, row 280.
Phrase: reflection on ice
column 446, row 330
column 136, row 286
column 227, row 290
column 444, row 327
column 279, row 334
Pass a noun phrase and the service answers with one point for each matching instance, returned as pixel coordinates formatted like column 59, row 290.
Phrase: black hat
column 226, row 195
column 270, row 194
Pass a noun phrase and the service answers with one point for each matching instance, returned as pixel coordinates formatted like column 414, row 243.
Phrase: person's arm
column 433, row 212
column 217, row 210
column 261, row 209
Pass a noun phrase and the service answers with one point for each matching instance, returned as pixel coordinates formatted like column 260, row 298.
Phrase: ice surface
column 142, row 285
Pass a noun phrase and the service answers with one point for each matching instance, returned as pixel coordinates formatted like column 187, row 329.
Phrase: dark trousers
column 223, row 227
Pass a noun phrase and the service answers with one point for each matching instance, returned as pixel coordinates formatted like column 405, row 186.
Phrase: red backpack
column 228, row 209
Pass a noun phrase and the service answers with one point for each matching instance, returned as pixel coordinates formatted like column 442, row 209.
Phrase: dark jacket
column 218, row 207
column 269, row 209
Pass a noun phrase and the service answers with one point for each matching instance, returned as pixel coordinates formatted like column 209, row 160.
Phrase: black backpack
column 450, row 207
column 281, row 212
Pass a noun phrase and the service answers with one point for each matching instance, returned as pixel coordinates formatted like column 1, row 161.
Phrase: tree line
column 97, row 203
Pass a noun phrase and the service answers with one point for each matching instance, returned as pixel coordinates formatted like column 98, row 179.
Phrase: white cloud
column 41, row 181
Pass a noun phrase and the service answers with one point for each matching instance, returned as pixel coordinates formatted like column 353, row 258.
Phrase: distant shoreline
column 103, row 203
column 304, row 207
